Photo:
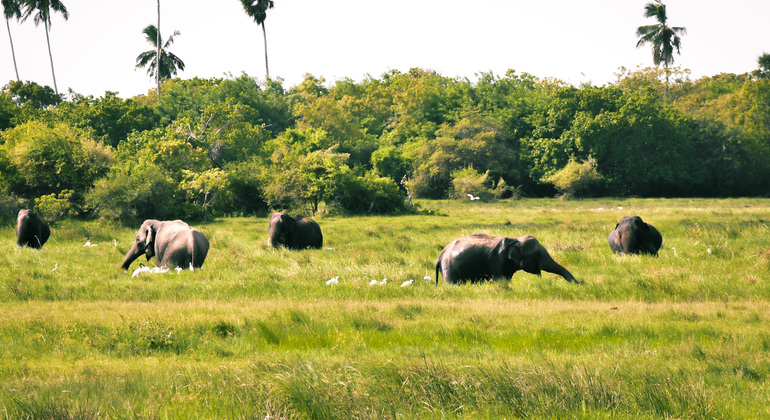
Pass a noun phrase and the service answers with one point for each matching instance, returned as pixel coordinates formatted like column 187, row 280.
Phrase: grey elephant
column 633, row 236
column 172, row 242
column 482, row 257
column 294, row 232
column 31, row 230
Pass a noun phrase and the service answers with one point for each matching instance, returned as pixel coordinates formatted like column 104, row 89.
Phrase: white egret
column 142, row 269
column 333, row 280
column 383, row 282
column 373, row 282
column 407, row 283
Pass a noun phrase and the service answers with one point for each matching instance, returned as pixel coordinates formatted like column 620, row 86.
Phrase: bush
column 365, row 194
column 576, row 178
column 41, row 159
column 55, row 207
column 467, row 182
column 244, row 192
column 135, row 191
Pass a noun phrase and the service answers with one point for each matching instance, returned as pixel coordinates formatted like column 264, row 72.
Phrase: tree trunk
column 50, row 56
column 13, row 53
column 264, row 37
column 157, row 54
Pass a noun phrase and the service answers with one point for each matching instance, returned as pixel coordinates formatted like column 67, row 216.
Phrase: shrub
column 365, row 194
column 42, row 159
column 576, row 178
column 55, row 207
column 467, row 182
column 135, row 190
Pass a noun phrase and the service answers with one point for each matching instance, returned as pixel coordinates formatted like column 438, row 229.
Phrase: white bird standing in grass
column 115, row 241
column 383, row 282
column 472, row 197
column 55, row 266
column 427, row 278
column 89, row 244
column 674, row 248
column 191, row 267
column 373, row 282
column 407, row 283
column 142, row 269
column 179, row 270
column 156, row 270
column 333, row 280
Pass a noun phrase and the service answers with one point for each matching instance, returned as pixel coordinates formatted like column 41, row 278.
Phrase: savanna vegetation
column 259, row 334
column 213, row 147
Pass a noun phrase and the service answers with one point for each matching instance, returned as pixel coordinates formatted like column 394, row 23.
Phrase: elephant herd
column 470, row 258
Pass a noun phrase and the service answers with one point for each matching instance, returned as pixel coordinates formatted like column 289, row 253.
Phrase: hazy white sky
column 576, row 41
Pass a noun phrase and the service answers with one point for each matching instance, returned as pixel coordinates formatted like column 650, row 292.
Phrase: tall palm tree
column 41, row 9
column 662, row 37
column 12, row 10
column 169, row 63
column 257, row 9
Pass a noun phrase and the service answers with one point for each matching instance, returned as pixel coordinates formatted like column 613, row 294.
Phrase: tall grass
column 258, row 333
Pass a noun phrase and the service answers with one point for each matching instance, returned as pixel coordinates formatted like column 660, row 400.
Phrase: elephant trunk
column 133, row 254
column 552, row 266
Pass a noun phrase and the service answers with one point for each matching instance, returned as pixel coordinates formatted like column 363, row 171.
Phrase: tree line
column 238, row 145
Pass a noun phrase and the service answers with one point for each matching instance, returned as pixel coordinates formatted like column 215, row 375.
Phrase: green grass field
column 258, row 334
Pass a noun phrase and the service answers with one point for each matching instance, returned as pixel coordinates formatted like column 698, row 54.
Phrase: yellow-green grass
column 258, row 332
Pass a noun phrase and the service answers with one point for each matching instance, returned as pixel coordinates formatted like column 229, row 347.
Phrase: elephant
column 481, row 257
column 31, row 230
column 634, row 236
column 172, row 242
column 294, row 232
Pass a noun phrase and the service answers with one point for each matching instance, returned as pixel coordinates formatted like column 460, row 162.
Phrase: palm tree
column 663, row 38
column 169, row 63
column 42, row 13
column 12, row 10
column 257, row 9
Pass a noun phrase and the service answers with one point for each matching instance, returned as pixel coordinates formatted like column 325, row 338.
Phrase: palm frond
column 11, row 9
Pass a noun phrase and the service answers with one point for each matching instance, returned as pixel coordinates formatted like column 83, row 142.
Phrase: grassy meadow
column 259, row 334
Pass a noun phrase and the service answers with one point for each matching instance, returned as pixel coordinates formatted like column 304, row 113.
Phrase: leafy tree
column 168, row 64
column 476, row 140
column 763, row 72
column 45, row 160
column 110, row 118
column 203, row 188
column 41, row 9
column 257, row 10
column 32, row 95
column 224, row 131
column 663, row 38
column 12, row 10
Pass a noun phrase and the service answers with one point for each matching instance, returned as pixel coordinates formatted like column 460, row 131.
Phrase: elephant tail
column 438, row 266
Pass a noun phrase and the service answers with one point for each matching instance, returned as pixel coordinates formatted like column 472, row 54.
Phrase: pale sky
column 575, row 41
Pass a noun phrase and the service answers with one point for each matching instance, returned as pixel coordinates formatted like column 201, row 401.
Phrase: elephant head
column 633, row 236
column 144, row 243
column 282, row 229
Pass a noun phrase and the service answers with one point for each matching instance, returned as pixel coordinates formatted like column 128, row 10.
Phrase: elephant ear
column 149, row 242
column 512, row 250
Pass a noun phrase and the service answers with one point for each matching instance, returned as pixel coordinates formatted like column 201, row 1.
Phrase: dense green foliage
column 257, row 333
column 240, row 146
